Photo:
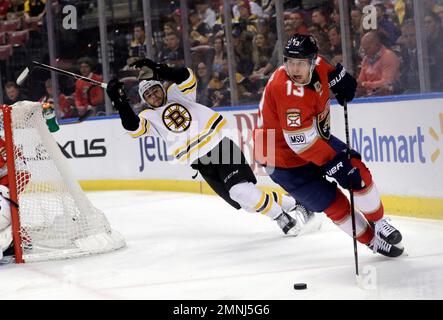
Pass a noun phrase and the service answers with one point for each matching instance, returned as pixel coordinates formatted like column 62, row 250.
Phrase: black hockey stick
column 25, row 73
column 351, row 191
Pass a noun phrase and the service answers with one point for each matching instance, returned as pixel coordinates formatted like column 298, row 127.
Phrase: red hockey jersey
column 293, row 123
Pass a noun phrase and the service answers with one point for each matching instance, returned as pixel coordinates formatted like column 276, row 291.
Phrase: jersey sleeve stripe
column 191, row 141
column 188, row 83
column 190, row 89
column 206, row 139
column 143, row 128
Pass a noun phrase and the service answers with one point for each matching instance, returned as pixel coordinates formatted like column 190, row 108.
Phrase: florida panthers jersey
column 189, row 129
column 293, row 124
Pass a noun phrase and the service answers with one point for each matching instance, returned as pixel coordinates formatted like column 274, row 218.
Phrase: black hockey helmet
column 301, row 46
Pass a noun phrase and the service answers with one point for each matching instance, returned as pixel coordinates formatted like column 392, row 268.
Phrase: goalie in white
column 194, row 135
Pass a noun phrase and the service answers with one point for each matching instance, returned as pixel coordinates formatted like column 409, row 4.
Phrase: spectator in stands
column 5, row 6
column 242, row 43
column 170, row 27
column 380, row 67
column 404, row 10
column 246, row 21
column 320, row 18
column 335, row 40
column 363, row 3
column 320, row 29
column 434, row 32
column 172, row 51
column 335, row 17
column 138, row 43
column 65, row 105
column 261, row 51
column 439, row 11
column 274, row 61
column 13, row 93
column 386, row 27
column 206, row 13
column 299, row 24
column 203, row 78
column 88, row 96
column 356, row 28
column 324, row 46
column 409, row 78
column 254, row 8
column 200, row 31
column 219, row 54
column 35, row 8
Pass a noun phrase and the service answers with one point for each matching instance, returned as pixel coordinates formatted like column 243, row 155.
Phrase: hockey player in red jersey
column 294, row 114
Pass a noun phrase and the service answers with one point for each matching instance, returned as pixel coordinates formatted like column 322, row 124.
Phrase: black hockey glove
column 342, row 84
column 116, row 92
column 161, row 71
column 343, row 172
column 157, row 68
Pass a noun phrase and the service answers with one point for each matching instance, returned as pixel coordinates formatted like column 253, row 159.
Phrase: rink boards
column 400, row 140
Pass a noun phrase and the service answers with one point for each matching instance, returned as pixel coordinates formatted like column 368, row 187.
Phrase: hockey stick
column 351, row 192
column 25, row 73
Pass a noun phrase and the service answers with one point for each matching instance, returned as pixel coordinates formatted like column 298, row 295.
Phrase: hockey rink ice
column 190, row 246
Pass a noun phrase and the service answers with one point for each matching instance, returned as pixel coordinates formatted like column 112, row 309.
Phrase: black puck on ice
column 300, row 286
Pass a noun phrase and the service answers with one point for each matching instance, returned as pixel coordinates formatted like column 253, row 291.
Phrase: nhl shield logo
column 293, row 118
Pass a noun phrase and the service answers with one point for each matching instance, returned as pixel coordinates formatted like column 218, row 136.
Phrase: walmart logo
column 435, row 136
column 389, row 148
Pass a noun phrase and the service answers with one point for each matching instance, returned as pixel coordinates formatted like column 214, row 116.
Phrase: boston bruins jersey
column 189, row 129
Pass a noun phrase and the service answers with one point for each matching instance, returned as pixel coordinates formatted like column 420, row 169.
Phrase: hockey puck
column 300, row 286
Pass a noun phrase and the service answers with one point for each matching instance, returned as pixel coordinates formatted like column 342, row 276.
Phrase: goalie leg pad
column 5, row 213
column 5, row 238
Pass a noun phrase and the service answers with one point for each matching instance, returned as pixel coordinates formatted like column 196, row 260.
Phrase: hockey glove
column 157, row 69
column 160, row 71
column 342, row 84
column 116, row 92
column 343, row 172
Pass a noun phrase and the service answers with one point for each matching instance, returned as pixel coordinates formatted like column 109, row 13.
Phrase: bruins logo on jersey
column 176, row 118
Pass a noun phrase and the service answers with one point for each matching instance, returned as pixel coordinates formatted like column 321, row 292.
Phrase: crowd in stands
column 384, row 59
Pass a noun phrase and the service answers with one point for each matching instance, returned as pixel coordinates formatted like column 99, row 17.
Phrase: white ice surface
column 189, row 246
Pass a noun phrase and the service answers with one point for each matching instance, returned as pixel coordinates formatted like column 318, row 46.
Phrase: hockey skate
column 296, row 221
column 385, row 231
column 288, row 224
column 378, row 245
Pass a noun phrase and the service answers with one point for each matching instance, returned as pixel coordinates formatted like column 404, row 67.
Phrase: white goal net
column 57, row 220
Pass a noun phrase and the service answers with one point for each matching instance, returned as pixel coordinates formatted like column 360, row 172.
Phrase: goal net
column 54, row 218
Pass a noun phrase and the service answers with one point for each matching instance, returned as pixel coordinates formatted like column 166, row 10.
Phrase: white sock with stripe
column 254, row 200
